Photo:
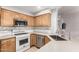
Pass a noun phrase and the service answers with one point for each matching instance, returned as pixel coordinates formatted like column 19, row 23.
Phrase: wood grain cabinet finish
column 0, row 11
column 43, row 20
column 46, row 39
column 33, row 40
column 7, row 18
column 0, row 15
column 29, row 19
column 8, row 45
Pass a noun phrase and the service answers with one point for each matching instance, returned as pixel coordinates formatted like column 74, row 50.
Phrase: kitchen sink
column 57, row 38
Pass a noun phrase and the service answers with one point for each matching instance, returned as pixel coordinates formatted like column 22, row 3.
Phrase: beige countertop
column 38, row 33
column 47, row 47
column 60, row 46
column 9, row 36
column 6, row 36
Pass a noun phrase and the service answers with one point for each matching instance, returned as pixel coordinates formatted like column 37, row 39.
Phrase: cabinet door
column 46, row 20
column 8, row 45
column 46, row 39
column 43, row 20
column 29, row 19
column 7, row 18
column 33, row 40
column 38, row 21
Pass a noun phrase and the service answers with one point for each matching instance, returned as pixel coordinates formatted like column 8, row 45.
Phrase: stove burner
column 20, row 33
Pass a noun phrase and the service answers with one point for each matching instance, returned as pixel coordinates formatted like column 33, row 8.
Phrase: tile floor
column 60, row 46
column 66, row 46
column 32, row 49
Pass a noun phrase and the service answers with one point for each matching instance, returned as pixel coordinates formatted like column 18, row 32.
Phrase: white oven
column 22, row 42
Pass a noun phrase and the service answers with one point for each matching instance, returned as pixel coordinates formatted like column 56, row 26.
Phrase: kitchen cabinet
column 33, row 40
column 46, row 39
column 8, row 45
column 43, row 20
column 7, row 18
column 42, row 40
column 0, row 15
column 0, row 11
column 29, row 19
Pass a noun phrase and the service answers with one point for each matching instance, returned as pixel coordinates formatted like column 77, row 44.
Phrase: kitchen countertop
column 48, row 46
column 6, row 36
column 60, row 46
column 52, row 45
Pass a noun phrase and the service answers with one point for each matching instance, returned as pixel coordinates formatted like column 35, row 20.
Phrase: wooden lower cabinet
column 8, row 45
column 33, row 40
column 46, row 39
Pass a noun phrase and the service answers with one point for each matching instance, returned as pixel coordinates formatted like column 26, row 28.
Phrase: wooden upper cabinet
column 7, row 18
column 29, row 19
column 43, row 20
column 38, row 21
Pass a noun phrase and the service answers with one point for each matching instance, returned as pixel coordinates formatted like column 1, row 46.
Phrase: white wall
column 54, row 19
column 67, row 30
column 72, row 22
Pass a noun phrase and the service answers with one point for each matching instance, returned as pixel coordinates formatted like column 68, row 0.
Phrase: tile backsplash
column 15, row 28
column 26, row 29
column 23, row 28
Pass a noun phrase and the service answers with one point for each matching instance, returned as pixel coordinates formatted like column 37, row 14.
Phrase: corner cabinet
column 7, row 18
column 8, row 45
column 43, row 20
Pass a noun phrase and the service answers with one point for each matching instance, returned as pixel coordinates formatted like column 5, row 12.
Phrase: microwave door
column 20, row 23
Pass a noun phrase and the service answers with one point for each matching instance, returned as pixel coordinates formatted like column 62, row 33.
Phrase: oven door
column 22, row 42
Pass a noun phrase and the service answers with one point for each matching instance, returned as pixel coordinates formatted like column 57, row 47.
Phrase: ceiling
column 69, row 10
column 31, row 9
column 64, row 10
